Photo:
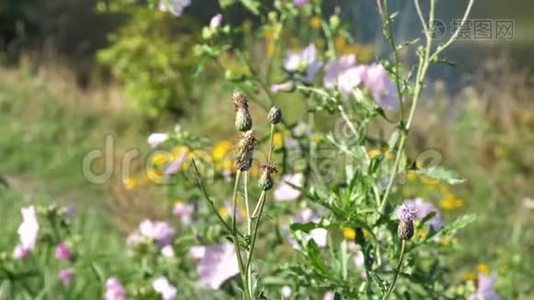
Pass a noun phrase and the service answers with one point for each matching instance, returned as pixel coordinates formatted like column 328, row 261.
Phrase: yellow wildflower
column 221, row 149
column 373, row 153
column 411, row 176
column 155, row 176
column 278, row 141
column 223, row 212
column 483, row 268
column 450, row 202
column 160, row 159
column 469, row 276
column 349, row 233
column 130, row 183
column 315, row 22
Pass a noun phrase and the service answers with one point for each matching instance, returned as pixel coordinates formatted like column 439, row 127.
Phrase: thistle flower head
column 275, row 115
column 243, row 121
column 405, row 229
column 246, row 151
column 407, row 211
column 266, row 180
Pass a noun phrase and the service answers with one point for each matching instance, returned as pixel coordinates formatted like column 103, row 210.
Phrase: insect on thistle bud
column 245, row 151
column 275, row 115
column 266, row 179
column 405, row 229
column 243, row 121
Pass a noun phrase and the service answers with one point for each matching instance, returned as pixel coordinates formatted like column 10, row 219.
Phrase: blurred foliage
column 151, row 55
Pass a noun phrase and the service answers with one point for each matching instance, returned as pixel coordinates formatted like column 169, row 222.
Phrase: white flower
column 216, row 21
column 285, row 192
column 286, row 292
column 162, row 286
column 167, row 251
column 156, row 139
column 175, row 7
column 217, row 264
column 28, row 232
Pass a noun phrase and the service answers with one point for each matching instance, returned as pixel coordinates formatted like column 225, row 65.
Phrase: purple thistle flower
column 114, row 290
column 485, row 289
column 63, row 252
column 418, row 209
column 217, row 263
column 382, row 88
column 66, row 275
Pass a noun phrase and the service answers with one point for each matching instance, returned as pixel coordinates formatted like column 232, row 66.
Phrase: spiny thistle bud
column 275, row 115
column 245, row 151
column 243, row 121
column 266, row 179
column 405, row 230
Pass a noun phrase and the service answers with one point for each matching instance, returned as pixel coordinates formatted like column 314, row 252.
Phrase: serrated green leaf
column 441, row 174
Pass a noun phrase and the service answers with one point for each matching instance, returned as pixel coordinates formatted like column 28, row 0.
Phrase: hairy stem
column 397, row 271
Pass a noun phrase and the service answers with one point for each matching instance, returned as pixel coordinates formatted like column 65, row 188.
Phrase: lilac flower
column 301, row 2
column 156, row 139
column 216, row 21
column 336, row 68
column 485, row 289
column 175, row 7
column 162, row 286
column 304, row 62
column 286, row 87
column 418, row 209
column 66, row 275
column 382, row 88
column 28, row 232
column 158, row 232
column 285, row 192
column 114, row 290
column 63, row 252
column 184, row 211
column 217, row 263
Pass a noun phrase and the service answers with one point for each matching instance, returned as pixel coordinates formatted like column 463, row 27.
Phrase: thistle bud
column 246, row 151
column 405, row 229
column 275, row 115
column 243, row 121
column 266, row 179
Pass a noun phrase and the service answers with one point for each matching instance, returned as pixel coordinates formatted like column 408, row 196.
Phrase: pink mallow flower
column 114, row 289
column 285, row 192
column 217, row 263
column 304, row 63
column 216, row 21
column 66, row 275
column 156, row 139
column 162, row 286
column 318, row 235
column 157, row 232
column 63, row 252
column 485, row 289
column 382, row 88
column 28, row 232
column 336, row 69
column 184, row 211
column 301, row 2
column 175, row 7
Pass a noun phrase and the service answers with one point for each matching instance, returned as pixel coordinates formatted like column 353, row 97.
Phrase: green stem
column 236, row 239
column 248, row 271
column 397, row 271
